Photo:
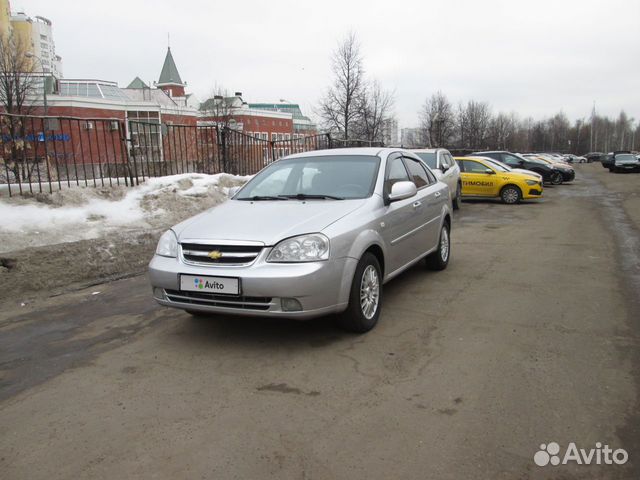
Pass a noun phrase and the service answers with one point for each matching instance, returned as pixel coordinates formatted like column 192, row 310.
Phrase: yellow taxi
column 481, row 178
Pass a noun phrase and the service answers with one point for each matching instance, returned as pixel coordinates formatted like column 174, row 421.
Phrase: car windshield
column 626, row 157
column 499, row 166
column 429, row 158
column 314, row 177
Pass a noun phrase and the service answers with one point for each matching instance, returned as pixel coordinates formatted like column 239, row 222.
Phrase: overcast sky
column 534, row 58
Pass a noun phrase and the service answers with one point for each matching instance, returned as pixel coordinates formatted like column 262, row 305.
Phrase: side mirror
column 402, row 190
column 444, row 168
column 233, row 191
column 488, row 171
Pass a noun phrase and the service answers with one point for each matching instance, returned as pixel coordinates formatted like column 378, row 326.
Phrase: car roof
column 374, row 151
column 427, row 150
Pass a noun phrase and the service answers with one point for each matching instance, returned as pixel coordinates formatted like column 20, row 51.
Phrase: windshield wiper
column 305, row 196
column 257, row 198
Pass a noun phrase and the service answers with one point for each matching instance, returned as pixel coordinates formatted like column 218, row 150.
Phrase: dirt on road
column 530, row 336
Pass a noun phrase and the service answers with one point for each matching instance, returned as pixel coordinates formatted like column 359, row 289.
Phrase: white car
column 446, row 169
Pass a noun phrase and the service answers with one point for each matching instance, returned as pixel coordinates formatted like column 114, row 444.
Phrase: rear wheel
column 511, row 194
column 556, row 178
column 365, row 298
column 439, row 259
column 458, row 198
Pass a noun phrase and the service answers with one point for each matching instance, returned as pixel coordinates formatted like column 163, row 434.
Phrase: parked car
column 549, row 173
column 624, row 161
column 568, row 173
column 594, row 156
column 442, row 164
column 311, row 234
column 534, row 175
column 607, row 160
column 484, row 178
column 571, row 158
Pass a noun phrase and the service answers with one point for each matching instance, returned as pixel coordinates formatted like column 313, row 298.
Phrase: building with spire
column 170, row 81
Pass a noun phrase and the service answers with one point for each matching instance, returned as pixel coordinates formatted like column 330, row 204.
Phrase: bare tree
column 475, row 120
column 219, row 106
column 373, row 109
column 438, row 120
column 339, row 107
column 18, row 94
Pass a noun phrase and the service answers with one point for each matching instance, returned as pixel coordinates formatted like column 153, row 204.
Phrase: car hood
column 535, row 175
column 264, row 221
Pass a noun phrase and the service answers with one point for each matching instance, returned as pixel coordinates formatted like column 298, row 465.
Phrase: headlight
column 303, row 248
column 167, row 245
column 531, row 182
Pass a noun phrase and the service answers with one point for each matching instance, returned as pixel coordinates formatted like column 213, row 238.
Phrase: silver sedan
column 312, row 234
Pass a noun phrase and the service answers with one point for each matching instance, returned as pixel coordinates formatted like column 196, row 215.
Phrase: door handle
column 437, row 194
column 416, row 204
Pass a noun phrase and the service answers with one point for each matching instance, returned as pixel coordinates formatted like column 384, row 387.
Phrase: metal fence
column 43, row 154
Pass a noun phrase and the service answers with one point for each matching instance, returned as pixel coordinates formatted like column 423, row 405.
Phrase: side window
column 417, row 172
column 395, row 173
column 430, row 176
column 460, row 164
column 474, row 167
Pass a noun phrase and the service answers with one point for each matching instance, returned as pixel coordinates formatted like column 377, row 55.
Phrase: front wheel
column 457, row 199
column 365, row 298
column 511, row 194
column 556, row 178
column 439, row 259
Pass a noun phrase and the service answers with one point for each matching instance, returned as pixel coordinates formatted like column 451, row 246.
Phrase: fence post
column 224, row 137
column 329, row 140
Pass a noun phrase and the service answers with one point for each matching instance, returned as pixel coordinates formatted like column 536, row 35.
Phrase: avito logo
column 601, row 455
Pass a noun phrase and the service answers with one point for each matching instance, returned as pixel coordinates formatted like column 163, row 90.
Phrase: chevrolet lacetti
column 311, row 234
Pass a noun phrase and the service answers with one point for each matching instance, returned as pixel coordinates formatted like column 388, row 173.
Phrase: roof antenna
column 168, row 40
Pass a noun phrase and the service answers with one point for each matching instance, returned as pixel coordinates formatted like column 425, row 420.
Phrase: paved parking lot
column 530, row 336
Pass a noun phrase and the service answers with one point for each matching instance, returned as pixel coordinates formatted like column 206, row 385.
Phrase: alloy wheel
column 369, row 292
column 444, row 244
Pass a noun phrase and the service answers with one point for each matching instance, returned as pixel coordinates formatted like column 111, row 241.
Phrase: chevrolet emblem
column 215, row 255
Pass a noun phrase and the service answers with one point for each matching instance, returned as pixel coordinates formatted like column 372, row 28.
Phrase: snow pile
column 82, row 213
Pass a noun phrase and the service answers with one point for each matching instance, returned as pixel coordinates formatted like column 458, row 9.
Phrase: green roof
column 169, row 72
column 292, row 108
column 137, row 83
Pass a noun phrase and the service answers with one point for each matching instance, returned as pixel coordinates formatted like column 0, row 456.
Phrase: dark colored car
column 624, row 161
column 607, row 160
column 594, row 157
column 549, row 173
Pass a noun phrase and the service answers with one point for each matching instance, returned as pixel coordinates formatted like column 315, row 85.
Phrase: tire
column 457, row 199
column 360, row 317
column 439, row 259
column 556, row 178
column 612, row 169
column 511, row 194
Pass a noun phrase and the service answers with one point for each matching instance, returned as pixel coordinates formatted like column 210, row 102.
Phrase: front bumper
column 321, row 288
column 568, row 175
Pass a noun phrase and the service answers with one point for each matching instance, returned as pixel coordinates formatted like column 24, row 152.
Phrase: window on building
column 43, row 37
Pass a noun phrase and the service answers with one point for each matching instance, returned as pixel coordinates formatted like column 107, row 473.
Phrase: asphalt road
column 530, row 336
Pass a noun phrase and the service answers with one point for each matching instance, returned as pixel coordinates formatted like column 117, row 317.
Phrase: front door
column 478, row 179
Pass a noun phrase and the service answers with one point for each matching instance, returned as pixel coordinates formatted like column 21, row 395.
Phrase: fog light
column 158, row 293
column 290, row 305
